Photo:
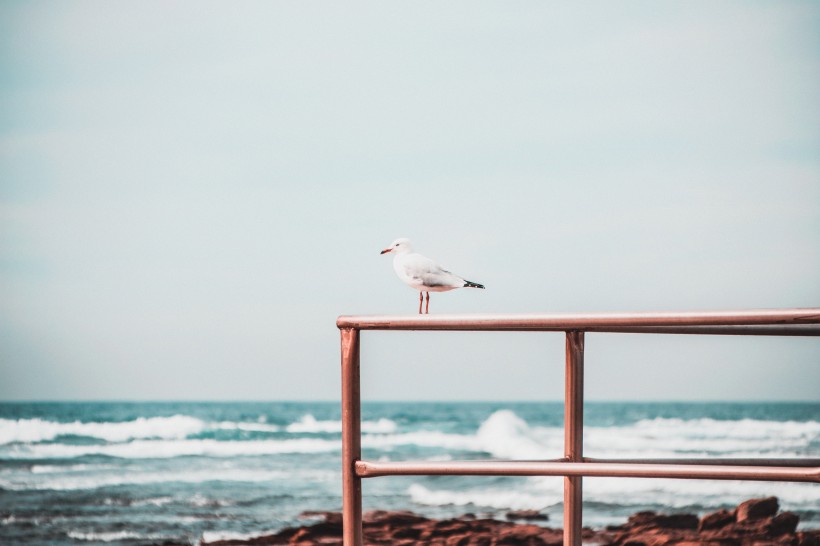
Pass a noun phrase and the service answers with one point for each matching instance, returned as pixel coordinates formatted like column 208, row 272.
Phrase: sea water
column 141, row 473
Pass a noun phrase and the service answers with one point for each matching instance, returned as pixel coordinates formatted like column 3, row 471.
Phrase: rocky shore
column 756, row 522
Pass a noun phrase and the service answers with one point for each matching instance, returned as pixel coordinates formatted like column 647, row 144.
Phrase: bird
column 422, row 273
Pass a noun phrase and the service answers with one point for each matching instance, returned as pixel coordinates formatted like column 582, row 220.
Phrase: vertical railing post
column 573, row 434
column 351, row 439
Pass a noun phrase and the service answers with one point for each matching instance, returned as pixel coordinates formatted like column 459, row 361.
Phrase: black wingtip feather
column 468, row 284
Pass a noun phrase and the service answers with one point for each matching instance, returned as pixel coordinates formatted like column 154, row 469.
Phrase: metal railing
column 782, row 322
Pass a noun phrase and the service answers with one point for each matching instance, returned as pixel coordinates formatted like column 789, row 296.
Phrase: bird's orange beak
column 385, row 251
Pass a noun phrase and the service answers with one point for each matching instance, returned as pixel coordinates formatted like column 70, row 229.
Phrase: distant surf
column 125, row 473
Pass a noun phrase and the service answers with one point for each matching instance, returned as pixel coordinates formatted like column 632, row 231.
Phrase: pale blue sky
column 192, row 192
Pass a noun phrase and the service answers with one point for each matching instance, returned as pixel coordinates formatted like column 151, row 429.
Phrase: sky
column 192, row 192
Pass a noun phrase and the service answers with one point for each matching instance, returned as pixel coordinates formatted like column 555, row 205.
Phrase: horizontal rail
column 713, row 461
column 370, row 469
column 808, row 330
column 773, row 322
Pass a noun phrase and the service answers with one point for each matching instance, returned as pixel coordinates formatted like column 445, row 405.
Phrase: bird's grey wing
column 429, row 273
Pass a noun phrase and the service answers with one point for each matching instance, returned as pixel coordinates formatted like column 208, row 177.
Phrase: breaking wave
column 38, row 430
column 128, row 474
column 115, row 536
column 538, row 493
column 309, row 424
column 503, row 435
column 73, row 481
column 498, row 499
column 159, row 449
column 27, row 431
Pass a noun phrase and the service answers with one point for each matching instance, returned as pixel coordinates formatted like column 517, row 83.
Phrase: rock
column 634, row 542
column 400, row 517
column 527, row 515
column 784, row 523
column 809, row 538
column 716, row 520
column 640, row 518
column 314, row 514
column 760, row 527
column 663, row 521
column 678, row 521
column 757, row 508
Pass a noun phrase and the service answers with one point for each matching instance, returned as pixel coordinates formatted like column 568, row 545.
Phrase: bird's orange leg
column 421, row 299
column 427, row 307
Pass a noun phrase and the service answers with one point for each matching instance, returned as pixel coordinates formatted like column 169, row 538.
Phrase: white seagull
column 422, row 273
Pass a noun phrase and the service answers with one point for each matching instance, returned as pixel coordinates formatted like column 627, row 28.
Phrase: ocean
column 141, row 473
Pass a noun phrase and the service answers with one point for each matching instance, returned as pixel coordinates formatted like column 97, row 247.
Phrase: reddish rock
column 716, row 520
column 757, row 508
column 784, row 523
column 662, row 521
column 528, row 515
column 400, row 517
column 640, row 518
column 760, row 527
column 809, row 538
column 678, row 521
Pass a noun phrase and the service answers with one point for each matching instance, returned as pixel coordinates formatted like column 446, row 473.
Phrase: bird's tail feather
column 468, row 284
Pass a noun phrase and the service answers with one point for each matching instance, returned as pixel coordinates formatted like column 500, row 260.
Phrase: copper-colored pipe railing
column 782, row 322
column 675, row 322
column 351, row 438
column 573, row 426
column 564, row 467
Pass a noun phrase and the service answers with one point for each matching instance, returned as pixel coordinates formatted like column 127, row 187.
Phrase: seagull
column 422, row 273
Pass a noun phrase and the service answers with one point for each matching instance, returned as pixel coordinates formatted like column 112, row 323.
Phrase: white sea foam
column 682, row 493
column 505, row 435
column 70, row 482
column 153, row 501
column 174, row 427
column 675, row 437
column 309, row 424
column 502, row 435
column 424, row 438
column 201, row 501
column 216, row 536
column 114, row 536
column 38, row 430
column 248, row 427
column 61, row 468
column 540, row 492
column 164, row 449
column 499, row 499
column 161, row 449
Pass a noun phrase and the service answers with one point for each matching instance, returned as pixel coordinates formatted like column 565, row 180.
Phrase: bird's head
column 399, row 246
